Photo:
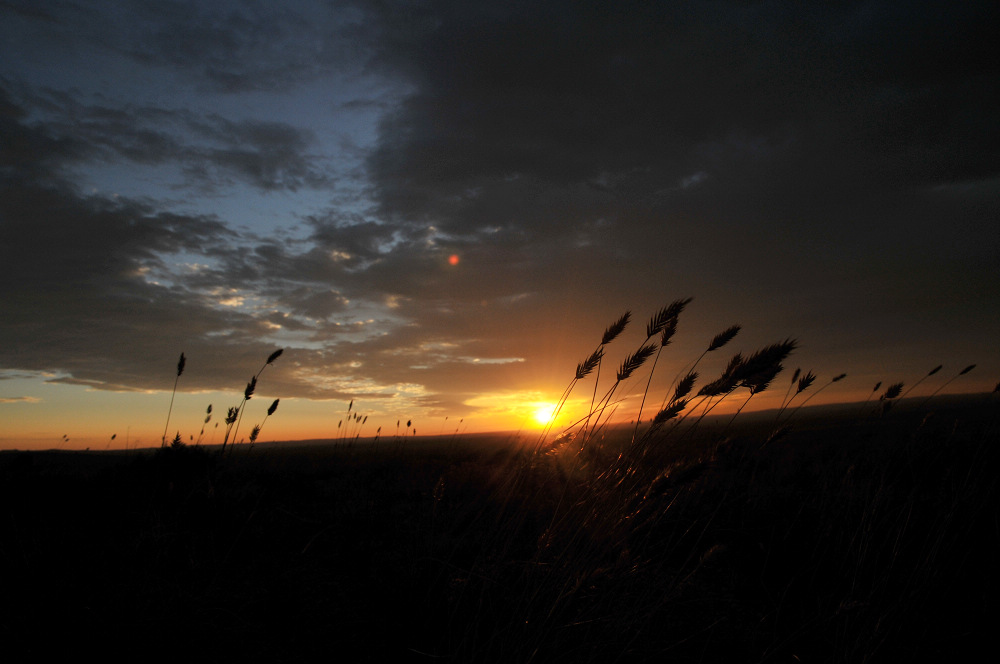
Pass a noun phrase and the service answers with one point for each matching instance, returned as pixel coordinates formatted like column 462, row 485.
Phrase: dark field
column 853, row 538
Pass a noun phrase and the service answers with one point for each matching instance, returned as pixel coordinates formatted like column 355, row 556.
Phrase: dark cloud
column 97, row 296
column 228, row 46
column 210, row 150
column 566, row 93
column 822, row 171
column 775, row 148
column 80, row 293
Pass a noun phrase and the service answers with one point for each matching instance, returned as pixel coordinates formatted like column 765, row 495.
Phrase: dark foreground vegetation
column 850, row 539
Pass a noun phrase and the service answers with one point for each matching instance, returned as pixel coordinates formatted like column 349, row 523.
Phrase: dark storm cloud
column 231, row 47
column 643, row 98
column 211, row 150
column 776, row 150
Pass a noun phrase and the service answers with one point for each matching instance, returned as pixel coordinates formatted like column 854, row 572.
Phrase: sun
column 543, row 413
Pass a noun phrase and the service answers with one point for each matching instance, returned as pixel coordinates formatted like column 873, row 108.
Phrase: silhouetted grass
column 848, row 538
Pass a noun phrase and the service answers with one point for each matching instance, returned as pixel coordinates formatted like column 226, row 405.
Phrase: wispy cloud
column 20, row 400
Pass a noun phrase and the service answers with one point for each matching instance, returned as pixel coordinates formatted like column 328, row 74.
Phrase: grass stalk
column 180, row 370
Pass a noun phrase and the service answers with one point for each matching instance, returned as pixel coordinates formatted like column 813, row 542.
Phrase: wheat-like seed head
column 724, row 337
column 734, row 362
column 634, row 361
column 966, row 369
column 589, row 364
column 664, row 315
column 668, row 331
column 935, row 370
column 765, row 358
column 274, row 407
column 669, row 412
column 676, row 307
column 275, row 355
column 892, row 391
column 715, row 388
column 180, row 365
column 684, row 386
column 762, row 380
column 726, row 382
column 616, row 328
column 805, row 382
column 251, row 386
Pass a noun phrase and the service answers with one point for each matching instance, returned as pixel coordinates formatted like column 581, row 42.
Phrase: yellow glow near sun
column 543, row 413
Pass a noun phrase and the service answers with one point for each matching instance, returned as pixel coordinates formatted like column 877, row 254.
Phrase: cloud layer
column 228, row 180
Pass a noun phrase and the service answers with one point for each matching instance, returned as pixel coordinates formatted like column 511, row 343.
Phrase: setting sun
column 543, row 413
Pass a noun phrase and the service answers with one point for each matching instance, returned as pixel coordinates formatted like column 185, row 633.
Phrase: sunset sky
column 436, row 208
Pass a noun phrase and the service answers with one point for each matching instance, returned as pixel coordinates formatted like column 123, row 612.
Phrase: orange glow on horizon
column 453, row 259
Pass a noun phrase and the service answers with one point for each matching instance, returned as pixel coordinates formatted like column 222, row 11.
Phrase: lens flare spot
column 453, row 259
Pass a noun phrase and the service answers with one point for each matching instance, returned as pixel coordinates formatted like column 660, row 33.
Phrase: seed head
column 669, row 412
column 634, row 361
column 616, row 328
column 668, row 331
column 724, row 337
column 589, row 364
column 892, row 391
column 805, row 382
column 684, row 386
column 765, row 358
column 251, row 386
column 664, row 315
column 760, row 381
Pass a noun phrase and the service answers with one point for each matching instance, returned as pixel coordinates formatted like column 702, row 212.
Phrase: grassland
column 855, row 537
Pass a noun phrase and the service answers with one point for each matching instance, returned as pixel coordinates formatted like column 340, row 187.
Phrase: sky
column 436, row 208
